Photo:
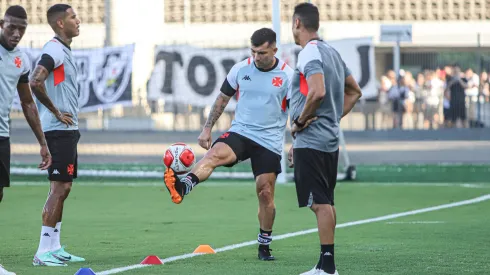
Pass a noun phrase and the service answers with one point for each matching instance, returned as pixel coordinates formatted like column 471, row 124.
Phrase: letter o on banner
column 208, row 88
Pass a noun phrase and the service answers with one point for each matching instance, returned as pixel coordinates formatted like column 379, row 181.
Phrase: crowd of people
column 445, row 97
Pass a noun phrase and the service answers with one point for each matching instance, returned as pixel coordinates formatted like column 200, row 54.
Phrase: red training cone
column 152, row 260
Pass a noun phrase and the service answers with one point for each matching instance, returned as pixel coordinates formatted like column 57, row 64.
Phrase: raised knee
column 215, row 157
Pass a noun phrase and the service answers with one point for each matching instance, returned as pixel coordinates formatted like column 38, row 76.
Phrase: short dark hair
column 308, row 15
column 16, row 11
column 263, row 35
column 54, row 12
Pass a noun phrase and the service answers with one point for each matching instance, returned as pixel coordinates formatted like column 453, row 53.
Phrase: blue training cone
column 85, row 271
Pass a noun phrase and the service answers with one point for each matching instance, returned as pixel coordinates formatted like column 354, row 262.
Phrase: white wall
column 91, row 36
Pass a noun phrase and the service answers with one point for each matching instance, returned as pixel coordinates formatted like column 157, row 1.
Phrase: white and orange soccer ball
column 179, row 157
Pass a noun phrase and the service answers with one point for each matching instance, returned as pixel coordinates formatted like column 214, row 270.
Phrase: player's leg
column 56, row 241
column 4, row 164
column 62, row 145
column 50, row 215
column 72, row 170
column 325, row 216
column 226, row 151
column 266, row 165
column 265, row 184
column 267, row 212
column 315, row 177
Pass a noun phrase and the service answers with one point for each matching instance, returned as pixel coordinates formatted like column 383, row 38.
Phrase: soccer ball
column 179, row 157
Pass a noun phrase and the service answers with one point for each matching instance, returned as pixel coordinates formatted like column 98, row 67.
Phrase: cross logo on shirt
column 277, row 81
column 18, row 62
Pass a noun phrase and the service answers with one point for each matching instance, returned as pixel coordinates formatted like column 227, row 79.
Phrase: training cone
column 85, row 271
column 204, row 249
column 152, row 260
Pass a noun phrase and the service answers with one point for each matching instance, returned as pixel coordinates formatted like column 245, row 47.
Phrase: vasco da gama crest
column 113, row 76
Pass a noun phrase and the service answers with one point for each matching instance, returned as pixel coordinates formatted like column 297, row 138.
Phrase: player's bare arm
column 352, row 93
column 316, row 93
column 39, row 89
column 290, row 157
column 218, row 108
column 32, row 116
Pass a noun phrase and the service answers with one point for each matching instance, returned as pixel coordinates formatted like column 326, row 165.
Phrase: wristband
column 299, row 124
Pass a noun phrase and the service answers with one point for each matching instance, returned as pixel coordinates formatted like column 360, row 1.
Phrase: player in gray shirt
column 261, row 84
column 323, row 88
column 14, row 76
column 54, row 82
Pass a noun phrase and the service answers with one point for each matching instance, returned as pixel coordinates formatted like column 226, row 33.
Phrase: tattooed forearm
column 39, row 89
column 217, row 109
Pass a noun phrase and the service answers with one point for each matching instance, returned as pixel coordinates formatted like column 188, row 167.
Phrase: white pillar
column 276, row 26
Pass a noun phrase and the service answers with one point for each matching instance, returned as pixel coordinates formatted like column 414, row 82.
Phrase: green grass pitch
column 117, row 223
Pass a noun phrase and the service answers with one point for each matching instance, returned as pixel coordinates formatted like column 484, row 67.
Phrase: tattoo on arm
column 39, row 89
column 217, row 109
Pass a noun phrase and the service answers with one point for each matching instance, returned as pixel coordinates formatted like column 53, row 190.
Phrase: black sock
column 327, row 262
column 194, row 179
column 265, row 237
column 190, row 179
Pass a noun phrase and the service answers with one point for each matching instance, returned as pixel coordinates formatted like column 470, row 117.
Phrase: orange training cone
column 152, row 260
column 204, row 249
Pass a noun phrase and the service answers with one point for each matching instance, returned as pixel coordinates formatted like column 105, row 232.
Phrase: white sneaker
column 315, row 271
column 321, row 272
column 311, row 272
column 3, row 271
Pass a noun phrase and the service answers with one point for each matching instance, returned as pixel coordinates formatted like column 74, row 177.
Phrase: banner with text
column 104, row 76
column 192, row 75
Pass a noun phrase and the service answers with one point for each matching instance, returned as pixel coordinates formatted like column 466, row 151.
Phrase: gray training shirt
column 14, row 68
column 318, row 57
column 261, row 111
column 61, row 86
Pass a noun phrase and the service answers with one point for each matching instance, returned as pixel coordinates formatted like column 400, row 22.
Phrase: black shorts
column 263, row 160
column 63, row 147
column 4, row 162
column 315, row 175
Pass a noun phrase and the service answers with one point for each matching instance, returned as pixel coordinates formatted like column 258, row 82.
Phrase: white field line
column 142, row 174
column 127, row 174
column 309, row 231
column 417, row 222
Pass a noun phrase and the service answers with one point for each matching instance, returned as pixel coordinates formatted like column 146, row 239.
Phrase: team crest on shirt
column 277, row 81
column 18, row 62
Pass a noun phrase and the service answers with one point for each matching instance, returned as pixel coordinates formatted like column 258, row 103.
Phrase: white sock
column 55, row 240
column 45, row 242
